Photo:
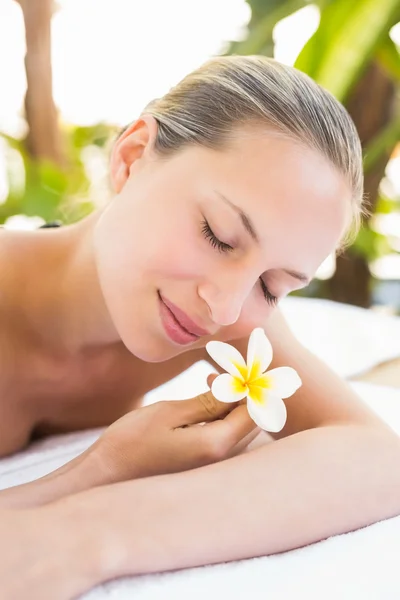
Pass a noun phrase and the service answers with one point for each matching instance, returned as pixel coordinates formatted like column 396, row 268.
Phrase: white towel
column 360, row 565
column 349, row 339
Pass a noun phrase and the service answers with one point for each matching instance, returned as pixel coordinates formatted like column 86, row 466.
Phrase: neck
column 58, row 289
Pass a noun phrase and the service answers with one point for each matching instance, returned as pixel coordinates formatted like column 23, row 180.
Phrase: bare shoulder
column 324, row 398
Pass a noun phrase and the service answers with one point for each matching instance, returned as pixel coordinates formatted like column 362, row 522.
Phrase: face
column 219, row 234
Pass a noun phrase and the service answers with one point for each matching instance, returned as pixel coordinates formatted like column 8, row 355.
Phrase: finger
column 202, row 408
column 210, row 378
column 233, row 428
column 244, row 443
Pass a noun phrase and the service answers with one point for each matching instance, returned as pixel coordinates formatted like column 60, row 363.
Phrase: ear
column 136, row 142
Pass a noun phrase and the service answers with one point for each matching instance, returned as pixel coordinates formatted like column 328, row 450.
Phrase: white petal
column 228, row 389
column 284, row 381
column 270, row 416
column 227, row 357
column 259, row 352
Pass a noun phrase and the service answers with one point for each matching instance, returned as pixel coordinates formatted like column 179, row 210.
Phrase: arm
column 86, row 470
column 78, row 475
column 293, row 492
column 255, row 504
column 328, row 478
column 333, row 468
column 324, row 398
column 161, row 438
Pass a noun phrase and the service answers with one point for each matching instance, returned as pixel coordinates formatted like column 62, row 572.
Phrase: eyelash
column 222, row 247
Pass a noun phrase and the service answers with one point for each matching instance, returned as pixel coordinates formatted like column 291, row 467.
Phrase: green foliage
column 383, row 143
column 347, row 37
column 51, row 191
column 96, row 135
column 265, row 15
column 388, row 57
column 387, row 205
column 45, row 186
column 370, row 244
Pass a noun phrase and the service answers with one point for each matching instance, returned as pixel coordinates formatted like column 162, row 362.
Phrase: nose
column 225, row 298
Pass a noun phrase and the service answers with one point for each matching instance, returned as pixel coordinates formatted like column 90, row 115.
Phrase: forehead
column 297, row 200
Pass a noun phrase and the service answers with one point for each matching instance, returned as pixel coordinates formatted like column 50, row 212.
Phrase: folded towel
column 351, row 340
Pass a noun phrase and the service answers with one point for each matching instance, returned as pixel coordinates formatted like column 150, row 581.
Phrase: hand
column 171, row 436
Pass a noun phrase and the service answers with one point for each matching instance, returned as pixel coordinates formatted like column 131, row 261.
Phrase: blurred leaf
column 311, row 56
column 98, row 135
column 50, row 191
column 348, row 34
column 384, row 142
column 10, row 207
column 370, row 244
column 52, row 177
column 13, row 142
column 74, row 209
column 261, row 27
column 388, row 57
column 386, row 205
column 45, row 185
column 259, row 8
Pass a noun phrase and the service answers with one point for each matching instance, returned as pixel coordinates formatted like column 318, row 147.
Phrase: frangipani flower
column 264, row 390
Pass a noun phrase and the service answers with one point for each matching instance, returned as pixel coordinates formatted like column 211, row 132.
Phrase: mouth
column 178, row 326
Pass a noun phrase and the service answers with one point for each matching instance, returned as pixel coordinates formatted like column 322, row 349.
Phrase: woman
column 229, row 193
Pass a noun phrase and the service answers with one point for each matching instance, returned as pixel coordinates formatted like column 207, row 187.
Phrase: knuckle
column 210, row 404
column 161, row 407
column 214, row 448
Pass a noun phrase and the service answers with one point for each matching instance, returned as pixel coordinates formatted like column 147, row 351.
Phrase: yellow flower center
column 253, row 381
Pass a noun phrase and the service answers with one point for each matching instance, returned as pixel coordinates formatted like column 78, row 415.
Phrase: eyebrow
column 248, row 225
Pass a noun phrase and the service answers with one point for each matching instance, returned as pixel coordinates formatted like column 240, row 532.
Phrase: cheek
column 175, row 250
column 166, row 249
column 175, row 256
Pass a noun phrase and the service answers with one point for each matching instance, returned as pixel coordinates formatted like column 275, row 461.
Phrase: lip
column 184, row 320
column 173, row 328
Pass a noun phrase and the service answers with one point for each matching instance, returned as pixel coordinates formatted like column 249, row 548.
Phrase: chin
column 143, row 337
column 148, row 348
column 151, row 355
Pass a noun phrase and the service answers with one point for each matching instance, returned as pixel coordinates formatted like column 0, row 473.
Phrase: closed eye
column 270, row 298
column 223, row 247
column 214, row 241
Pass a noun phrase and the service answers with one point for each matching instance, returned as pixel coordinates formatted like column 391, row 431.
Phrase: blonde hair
column 208, row 105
